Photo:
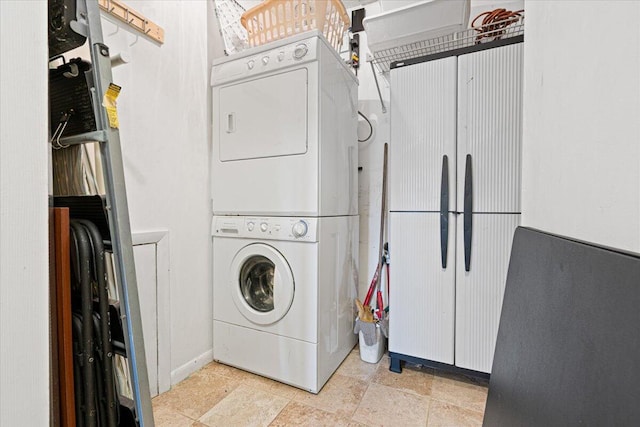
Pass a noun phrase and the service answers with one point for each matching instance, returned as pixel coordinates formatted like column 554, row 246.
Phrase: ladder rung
column 95, row 136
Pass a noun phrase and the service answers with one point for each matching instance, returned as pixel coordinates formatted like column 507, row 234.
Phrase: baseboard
column 190, row 367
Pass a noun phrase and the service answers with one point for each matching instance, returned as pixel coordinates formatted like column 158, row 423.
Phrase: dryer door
column 263, row 283
column 265, row 117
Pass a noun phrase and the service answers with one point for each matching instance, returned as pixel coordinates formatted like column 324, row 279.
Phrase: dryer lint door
column 263, row 284
column 264, row 117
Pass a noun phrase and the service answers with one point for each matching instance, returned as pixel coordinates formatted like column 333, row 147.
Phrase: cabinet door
column 490, row 127
column 423, row 130
column 480, row 290
column 422, row 295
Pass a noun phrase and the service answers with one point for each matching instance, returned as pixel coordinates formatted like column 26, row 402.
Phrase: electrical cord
column 494, row 22
column 370, row 128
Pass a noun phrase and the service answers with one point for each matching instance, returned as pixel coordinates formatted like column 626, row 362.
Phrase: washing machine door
column 263, row 285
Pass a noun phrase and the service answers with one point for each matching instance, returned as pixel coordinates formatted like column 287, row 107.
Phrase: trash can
column 372, row 353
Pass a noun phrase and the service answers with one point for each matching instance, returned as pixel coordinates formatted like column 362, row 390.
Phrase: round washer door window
column 262, row 282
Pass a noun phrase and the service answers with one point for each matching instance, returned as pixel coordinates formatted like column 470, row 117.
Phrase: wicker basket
column 276, row 19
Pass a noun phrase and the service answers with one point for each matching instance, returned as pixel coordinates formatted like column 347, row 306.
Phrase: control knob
column 300, row 51
column 299, row 229
column 265, row 60
column 250, row 226
column 251, row 64
column 264, row 226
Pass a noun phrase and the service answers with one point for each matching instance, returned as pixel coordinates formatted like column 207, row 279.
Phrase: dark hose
column 105, row 331
column 81, row 242
column 77, row 363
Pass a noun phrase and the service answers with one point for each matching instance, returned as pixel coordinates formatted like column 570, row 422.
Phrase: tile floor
column 358, row 394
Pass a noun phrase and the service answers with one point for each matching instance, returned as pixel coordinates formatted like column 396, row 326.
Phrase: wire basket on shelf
column 382, row 59
column 276, row 19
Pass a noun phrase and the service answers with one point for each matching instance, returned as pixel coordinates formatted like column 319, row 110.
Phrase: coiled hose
column 494, row 22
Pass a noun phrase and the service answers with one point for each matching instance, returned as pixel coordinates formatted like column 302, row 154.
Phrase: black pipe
column 105, row 329
column 81, row 242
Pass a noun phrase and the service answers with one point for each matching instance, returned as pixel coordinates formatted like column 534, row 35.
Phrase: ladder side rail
column 119, row 224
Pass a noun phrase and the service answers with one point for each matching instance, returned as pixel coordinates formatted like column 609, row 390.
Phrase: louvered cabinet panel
column 422, row 297
column 480, row 290
column 490, row 127
column 423, row 130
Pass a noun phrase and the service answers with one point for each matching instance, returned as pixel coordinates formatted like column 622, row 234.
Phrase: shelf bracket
column 375, row 77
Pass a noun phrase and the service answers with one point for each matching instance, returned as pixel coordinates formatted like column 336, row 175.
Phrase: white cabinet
column 490, row 127
column 423, row 125
column 454, row 202
column 479, row 291
column 424, row 295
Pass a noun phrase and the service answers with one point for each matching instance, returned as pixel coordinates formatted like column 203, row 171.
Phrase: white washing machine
column 285, row 131
column 283, row 295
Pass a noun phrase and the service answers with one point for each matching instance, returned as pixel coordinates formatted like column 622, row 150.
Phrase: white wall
column 581, row 158
column 370, row 157
column 163, row 127
column 24, row 249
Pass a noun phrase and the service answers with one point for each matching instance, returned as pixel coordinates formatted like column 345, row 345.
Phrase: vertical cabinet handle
column 231, row 122
column 444, row 211
column 468, row 206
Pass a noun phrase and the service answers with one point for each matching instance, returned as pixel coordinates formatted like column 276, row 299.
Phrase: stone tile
column 297, row 414
column 245, row 407
column 354, row 397
column 354, row 367
column 386, row 406
column 216, row 368
column 386, row 360
column 270, row 386
column 164, row 416
column 353, row 423
column 459, row 391
column 341, row 396
column 413, row 379
column 445, row 414
column 197, row 394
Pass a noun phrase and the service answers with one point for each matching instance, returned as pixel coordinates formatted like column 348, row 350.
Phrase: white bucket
column 372, row 353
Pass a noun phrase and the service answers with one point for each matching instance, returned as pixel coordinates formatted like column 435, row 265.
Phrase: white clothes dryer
column 285, row 131
column 283, row 295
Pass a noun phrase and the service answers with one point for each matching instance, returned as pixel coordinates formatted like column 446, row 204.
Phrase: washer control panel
column 265, row 61
column 267, row 228
column 299, row 229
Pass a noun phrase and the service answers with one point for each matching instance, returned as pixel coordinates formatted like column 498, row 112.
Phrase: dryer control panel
column 266, row 228
column 265, row 60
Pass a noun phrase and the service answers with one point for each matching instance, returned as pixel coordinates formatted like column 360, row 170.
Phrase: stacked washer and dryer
column 284, row 196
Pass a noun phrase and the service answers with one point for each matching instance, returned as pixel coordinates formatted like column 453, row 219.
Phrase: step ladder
column 89, row 24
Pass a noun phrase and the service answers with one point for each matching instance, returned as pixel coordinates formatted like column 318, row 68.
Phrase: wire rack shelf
column 508, row 28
